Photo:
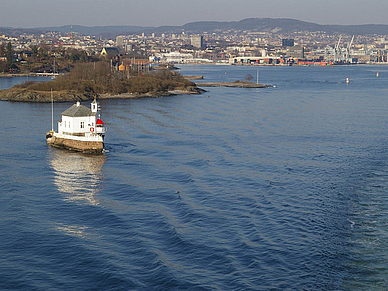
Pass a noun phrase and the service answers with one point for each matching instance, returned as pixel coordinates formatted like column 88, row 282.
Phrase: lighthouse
column 78, row 120
column 80, row 129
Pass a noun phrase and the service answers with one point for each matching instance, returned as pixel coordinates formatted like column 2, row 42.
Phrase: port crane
column 339, row 54
column 347, row 51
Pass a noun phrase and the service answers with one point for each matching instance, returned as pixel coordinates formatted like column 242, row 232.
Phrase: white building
column 80, row 121
column 79, row 130
column 174, row 57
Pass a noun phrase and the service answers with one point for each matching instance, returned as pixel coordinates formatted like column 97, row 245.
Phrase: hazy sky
column 39, row 13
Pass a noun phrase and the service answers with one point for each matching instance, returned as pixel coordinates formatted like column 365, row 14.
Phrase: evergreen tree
column 34, row 50
column 9, row 55
column 2, row 50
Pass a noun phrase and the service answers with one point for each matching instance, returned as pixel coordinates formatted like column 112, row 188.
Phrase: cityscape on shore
column 228, row 46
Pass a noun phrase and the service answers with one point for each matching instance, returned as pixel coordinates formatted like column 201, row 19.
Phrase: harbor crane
column 347, row 52
column 337, row 50
column 339, row 54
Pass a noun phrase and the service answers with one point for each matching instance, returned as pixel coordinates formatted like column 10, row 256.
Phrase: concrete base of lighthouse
column 96, row 147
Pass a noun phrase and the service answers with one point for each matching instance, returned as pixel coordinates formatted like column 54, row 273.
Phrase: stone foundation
column 76, row 145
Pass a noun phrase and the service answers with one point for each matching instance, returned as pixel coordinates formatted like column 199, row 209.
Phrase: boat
column 81, row 129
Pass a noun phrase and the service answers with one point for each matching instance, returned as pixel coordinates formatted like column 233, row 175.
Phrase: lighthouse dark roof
column 78, row 110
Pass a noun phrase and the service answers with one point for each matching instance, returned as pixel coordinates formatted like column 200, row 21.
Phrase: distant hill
column 280, row 25
column 256, row 24
column 284, row 25
column 96, row 30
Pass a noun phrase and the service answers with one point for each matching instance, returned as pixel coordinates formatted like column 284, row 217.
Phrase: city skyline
column 48, row 13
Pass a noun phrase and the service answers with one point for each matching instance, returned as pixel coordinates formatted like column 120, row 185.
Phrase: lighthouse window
column 82, row 124
column 65, row 123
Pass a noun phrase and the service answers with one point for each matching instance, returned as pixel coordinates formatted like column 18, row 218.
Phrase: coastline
column 236, row 84
column 23, row 95
column 149, row 95
column 25, row 75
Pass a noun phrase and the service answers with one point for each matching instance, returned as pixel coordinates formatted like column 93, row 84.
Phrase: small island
column 78, row 76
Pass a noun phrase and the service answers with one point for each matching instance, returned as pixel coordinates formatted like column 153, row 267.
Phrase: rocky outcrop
column 193, row 77
column 23, row 95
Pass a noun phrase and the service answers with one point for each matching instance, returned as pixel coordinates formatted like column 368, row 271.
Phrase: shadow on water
column 77, row 176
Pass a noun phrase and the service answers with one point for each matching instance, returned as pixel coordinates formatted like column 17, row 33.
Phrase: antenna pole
column 52, row 110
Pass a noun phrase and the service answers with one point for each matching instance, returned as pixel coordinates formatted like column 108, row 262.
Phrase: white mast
column 52, row 110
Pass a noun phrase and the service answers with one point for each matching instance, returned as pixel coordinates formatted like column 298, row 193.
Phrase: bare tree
column 249, row 78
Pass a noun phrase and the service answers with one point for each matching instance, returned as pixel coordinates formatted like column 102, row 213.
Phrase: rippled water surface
column 282, row 188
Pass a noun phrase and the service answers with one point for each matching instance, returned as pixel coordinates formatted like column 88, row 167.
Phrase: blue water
column 283, row 188
column 8, row 82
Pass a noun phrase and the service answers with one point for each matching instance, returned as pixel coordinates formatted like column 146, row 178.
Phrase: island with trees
column 80, row 77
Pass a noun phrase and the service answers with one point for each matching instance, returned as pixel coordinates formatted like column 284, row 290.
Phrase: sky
column 44, row 13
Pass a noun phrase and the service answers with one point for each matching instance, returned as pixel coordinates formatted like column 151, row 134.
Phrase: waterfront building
column 174, row 57
column 296, row 52
column 80, row 129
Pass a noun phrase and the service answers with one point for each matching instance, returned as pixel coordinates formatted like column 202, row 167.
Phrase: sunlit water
column 283, row 188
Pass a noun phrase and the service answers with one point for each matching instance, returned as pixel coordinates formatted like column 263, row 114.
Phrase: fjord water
column 283, row 188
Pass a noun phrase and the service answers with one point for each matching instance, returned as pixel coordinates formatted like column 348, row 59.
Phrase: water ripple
column 273, row 189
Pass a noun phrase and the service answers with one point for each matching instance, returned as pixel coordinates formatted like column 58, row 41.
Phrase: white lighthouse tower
column 94, row 106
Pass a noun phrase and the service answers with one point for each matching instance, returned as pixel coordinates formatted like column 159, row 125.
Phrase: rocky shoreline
column 196, row 91
column 24, row 95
